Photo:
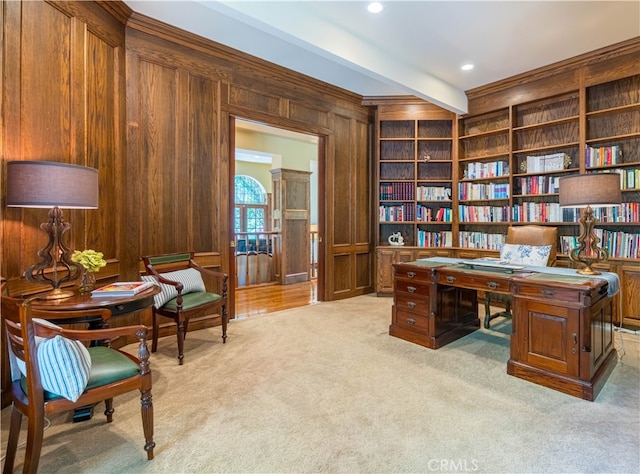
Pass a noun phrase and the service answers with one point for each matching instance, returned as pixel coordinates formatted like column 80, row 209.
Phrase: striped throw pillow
column 65, row 366
column 191, row 281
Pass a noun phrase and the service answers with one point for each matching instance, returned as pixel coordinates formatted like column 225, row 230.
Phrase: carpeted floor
column 324, row 388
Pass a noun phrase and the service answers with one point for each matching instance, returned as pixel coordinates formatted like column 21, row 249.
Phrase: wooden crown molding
column 571, row 64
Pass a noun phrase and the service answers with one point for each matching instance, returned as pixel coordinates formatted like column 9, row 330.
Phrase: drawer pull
column 451, row 279
column 411, row 321
column 493, row 285
column 548, row 292
column 411, row 274
column 411, row 304
column 411, row 289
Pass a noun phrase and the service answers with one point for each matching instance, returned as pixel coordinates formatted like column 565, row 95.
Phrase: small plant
column 91, row 260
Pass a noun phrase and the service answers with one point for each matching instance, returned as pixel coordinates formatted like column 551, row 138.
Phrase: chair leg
column 180, row 334
column 12, row 443
column 487, row 311
column 147, row 422
column 156, row 328
column 35, row 435
column 225, row 321
column 108, row 409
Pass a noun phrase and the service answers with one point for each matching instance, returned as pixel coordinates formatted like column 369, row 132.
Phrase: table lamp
column 46, row 184
column 588, row 191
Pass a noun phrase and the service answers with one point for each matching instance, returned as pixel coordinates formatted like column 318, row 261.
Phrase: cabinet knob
column 411, row 289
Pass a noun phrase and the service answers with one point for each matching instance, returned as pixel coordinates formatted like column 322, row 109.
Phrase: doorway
column 268, row 240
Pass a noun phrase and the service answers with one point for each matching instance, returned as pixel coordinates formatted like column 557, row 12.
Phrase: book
column 122, row 288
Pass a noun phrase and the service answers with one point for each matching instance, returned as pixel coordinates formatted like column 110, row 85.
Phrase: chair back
column 535, row 235
column 167, row 262
column 21, row 343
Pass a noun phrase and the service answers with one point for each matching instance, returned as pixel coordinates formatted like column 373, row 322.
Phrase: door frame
column 322, row 154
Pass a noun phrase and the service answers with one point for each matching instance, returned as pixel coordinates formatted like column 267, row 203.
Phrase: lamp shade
column 594, row 189
column 45, row 184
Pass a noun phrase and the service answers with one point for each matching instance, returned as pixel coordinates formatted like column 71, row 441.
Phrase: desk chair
column 51, row 373
column 533, row 235
column 188, row 290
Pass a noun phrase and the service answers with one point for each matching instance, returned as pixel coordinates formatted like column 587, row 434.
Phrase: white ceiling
column 411, row 47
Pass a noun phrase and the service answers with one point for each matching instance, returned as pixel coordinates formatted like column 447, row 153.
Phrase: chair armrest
column 208, row 271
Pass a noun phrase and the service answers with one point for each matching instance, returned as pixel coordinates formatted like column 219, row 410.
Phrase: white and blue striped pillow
column 65, row 366
column 191, row 281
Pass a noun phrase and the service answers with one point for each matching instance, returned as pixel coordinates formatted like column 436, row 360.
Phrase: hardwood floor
column 260, row 300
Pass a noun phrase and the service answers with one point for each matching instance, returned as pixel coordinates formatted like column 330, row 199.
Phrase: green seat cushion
column 192, row 300
column 107, row 366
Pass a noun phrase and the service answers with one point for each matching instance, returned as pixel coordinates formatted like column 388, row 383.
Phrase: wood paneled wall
column 150, row 106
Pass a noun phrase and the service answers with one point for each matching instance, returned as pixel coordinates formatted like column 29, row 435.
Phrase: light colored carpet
column 324, row 388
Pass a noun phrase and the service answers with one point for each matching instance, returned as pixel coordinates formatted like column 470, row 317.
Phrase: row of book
column 435, row 239
column 544, row 163
column 397, row 191
column 426, row 214
column 539, row 184
column 400, row 213
column 477, row 191
column 625, row 212
column 433, row 193
column 603, row 156
column 478, row 169
column 480, row 240
column 484, row 213
column 618, row 244
column 538, row 212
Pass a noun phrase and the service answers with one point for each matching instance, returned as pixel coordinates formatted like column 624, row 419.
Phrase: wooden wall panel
column 204, row 165
column 159, row 159
column 154, row 119
column 63, row 100
column 342, row 186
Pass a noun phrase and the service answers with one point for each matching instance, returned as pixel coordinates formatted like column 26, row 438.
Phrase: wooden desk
column 562, row 328
column 119, row 306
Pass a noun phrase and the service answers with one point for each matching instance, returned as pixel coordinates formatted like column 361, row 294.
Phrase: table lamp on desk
column 54, row 186
column 589, row 191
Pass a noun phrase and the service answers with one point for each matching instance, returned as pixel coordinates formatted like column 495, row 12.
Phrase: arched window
column 249, row 191
column 250, row 205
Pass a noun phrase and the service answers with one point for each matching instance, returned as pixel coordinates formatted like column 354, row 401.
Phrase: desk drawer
column 414, row 273
column 547, row 293
column 415, row 303
column 476, row 281
column 410, row 320
column 412, row 287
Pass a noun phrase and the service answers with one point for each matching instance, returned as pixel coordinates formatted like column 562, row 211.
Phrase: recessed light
column 467, row 67
column 375, row 7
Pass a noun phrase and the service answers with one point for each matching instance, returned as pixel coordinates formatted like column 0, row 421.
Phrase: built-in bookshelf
column 484, row 187
column 415, row 160
column 613, row 146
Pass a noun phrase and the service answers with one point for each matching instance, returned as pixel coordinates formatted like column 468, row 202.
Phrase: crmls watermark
column 453, row 465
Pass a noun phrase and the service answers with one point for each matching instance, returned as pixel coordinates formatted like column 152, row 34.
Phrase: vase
column 87, row 281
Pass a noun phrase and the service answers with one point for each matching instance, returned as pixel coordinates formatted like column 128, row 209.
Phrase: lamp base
column 56, row 294
column 587, row 271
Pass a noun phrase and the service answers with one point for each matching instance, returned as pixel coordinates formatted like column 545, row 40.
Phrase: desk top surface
column 86, row 301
